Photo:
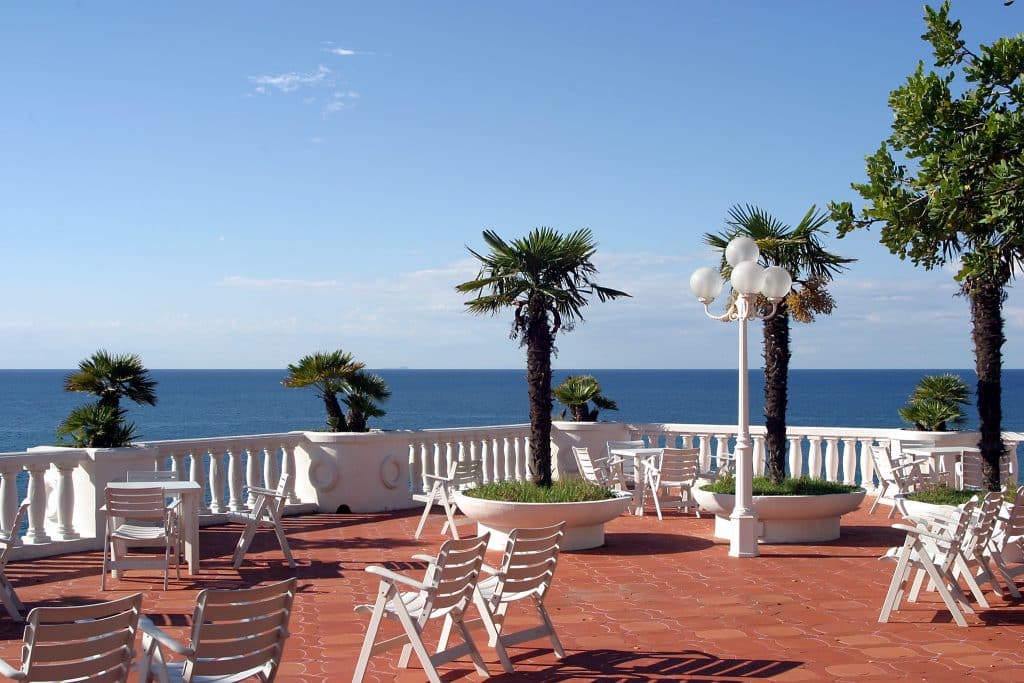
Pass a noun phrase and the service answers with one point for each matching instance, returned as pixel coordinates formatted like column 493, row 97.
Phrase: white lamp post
column 748, row 280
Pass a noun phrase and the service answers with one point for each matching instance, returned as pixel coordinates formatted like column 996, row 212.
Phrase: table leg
column 190, row 531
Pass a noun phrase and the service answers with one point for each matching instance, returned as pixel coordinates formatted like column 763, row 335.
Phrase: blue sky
column 235, row 185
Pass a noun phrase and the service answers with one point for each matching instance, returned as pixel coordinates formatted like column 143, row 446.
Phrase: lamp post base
column 743, row 540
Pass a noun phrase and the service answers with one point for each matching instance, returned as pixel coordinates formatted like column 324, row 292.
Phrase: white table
column 640, row 457
column 940, row 458
column 189, row 491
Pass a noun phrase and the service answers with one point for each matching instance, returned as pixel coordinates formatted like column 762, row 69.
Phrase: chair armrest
column 429, row 559
column 9, row 671
column 388, row 575
column 922, row 532
column 488, row 569
column 436, row 477
column 154, row 632
column 264, row 492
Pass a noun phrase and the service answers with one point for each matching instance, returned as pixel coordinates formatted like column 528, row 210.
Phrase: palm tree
column 800, row 251
column 111, row 377
column 937, row 400
column 576, row 392
column 335, row 373
column 545, row 278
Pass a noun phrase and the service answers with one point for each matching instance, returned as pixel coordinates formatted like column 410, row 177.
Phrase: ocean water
column 204, row 403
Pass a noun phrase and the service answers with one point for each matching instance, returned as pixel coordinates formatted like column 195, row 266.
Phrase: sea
column 209, row 403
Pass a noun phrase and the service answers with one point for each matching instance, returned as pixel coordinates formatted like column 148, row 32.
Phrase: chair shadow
column 639, row 665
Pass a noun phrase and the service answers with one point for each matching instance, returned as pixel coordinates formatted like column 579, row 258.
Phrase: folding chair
column 902, row 474
column 932, row 550
column 445, row 591
column 603, row 471
column 236, row 634
column 526, row 571
column 266, row 512
column 979, row 550
column 87, row 643
column 12, row 603
column 465, row 474
column 147, row 521
column 676, row 468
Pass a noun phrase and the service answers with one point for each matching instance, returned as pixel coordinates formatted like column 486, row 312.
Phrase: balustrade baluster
column 197, row 473
column 516, row 457
column 415, row 471
column 235, row 472
column 66, row 502
column 506, row 455
column 867, row 465
column 722, row 447
column 37, row 504
column 449, row 457
column 684, row 441
column 288, row 467
column 814, row 457
column 271, row 468
column 252, row 474
column 705, row 452
column 758, row 455
column 217, row 481
column 9, row 499
column 178, row 464
column 831, row 458
column 796, row 456
column 849, row 460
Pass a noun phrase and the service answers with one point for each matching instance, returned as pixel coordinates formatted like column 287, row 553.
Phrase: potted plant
column 545, row 278
column 577, row 392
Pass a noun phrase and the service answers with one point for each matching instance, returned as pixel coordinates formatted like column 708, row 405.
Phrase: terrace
column 660, row 601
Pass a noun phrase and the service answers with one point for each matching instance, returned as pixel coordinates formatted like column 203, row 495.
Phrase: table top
column 940, row 450
column 636, row 451
column 173, row 486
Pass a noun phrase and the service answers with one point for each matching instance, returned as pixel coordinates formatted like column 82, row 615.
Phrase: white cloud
column 342, row 51
column 291, row 81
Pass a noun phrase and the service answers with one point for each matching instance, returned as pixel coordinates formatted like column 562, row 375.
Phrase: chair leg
column 383, row 594
column 10, row 599
column 556, row 644
column 423, row 518
column 415, row 642
column 243, row 544
column 103, row 576
column 279, row 531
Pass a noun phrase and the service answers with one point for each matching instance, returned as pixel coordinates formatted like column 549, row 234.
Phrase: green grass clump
column 943, row 495
column 762, row 486
column 571, row 490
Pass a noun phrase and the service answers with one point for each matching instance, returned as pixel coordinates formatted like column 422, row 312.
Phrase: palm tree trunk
column 539, row 344
column 335, row 415
column 776, row 390
column 987, row 318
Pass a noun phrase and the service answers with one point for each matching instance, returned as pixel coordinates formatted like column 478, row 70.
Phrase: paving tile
column 662, row 601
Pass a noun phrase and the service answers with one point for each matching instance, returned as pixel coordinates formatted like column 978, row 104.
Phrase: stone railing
column 378, row 471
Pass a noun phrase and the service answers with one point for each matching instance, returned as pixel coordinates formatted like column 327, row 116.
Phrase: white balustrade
column 849, row 460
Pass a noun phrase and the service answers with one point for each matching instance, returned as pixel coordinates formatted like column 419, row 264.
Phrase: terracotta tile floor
column 661, row 601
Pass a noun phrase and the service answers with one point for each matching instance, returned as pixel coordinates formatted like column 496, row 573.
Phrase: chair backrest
column 151, row 475
column 452, row 577
column 136, row 504
column 628, row 463
column 594, row 472
column 466, row 474
column 1013, row 523
column 984, row 523
column 234, row 631
column 529, row 562
column 89, row 642
column 888, row 470
column 13, row 539
column 970, row 471
column 680, row 464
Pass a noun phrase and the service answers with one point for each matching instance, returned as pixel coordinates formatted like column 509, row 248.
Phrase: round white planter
column 784, row 519
column 584, row 522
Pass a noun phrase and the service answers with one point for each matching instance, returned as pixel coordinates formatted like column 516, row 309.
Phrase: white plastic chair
column 444, row 592
column 1009, row 534
column 268, row 504
column 12, row 603
column 628, row 465
column 140, row 517
column 526, row 571
column 86, row 643
column 675, row 468
column 898, row 475
column 236, row 635
column 979, row 549
column 465, row 474
column 932, row 549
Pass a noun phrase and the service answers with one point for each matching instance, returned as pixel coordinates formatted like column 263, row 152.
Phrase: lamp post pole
column 748, row 280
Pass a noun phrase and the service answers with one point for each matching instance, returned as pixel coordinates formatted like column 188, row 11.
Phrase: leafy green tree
column 936, row 402
column 113, row 377
column 545, row 278
column 947, row 187
column 800, row 251
column 110, row 377
column 337, row 373
column 577, row 392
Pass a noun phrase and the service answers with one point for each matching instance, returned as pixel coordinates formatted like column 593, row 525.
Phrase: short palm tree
column 545, row 278
column 110, row 377
column 800, row 251
column 334, row 374
column 577, row 392
column 113, row 377
column 937, row 402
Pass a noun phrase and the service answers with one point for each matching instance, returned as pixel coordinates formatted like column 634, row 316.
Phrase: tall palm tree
column 800, row 251
column 112, row 377
column 545, row 278
column 334, row 374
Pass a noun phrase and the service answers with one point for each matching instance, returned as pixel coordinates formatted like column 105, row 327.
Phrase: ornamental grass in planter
column 943, row 495
column 763, row 486
column 570, row 490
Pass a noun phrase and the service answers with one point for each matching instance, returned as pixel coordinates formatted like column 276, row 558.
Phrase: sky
column 239, row 184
